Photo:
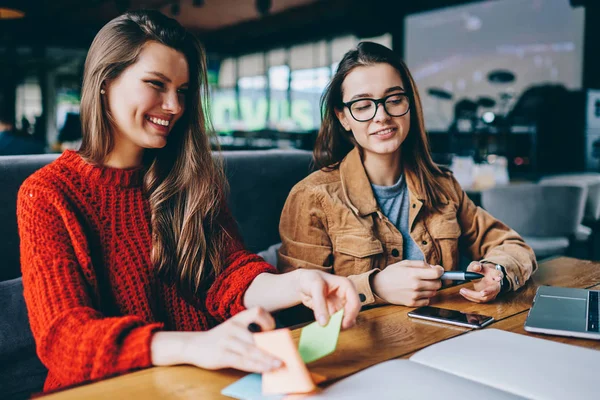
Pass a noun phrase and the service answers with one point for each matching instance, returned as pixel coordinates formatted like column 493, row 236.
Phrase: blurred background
column 510, row 88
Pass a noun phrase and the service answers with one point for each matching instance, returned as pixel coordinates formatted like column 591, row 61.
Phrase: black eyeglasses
column 395, row 105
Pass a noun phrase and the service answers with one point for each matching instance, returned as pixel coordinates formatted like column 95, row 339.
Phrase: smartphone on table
column 453, row 317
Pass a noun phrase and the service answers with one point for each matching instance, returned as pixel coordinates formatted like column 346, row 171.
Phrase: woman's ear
column 103, row 88
column 106, row 84
column 341, row 116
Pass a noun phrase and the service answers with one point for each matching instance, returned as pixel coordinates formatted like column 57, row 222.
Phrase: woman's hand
column 228, row 345
column 326, row 293
column 408, row 283
column 485, row 289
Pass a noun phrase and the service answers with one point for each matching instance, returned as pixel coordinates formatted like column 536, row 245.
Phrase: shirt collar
column 357, row 187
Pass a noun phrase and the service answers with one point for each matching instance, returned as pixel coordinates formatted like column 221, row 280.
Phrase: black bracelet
column 505, row 283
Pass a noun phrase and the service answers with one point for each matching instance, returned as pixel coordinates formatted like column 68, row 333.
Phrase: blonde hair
column 185, row 185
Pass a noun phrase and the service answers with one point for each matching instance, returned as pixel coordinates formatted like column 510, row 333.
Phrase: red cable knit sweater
column 93, row 299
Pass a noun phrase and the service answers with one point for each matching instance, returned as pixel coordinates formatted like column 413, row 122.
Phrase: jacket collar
column 357, row 187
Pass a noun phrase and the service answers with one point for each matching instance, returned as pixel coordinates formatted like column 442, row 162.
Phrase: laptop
column 565, row 312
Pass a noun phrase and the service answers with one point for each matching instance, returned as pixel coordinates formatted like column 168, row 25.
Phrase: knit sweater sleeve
column 74, row 340
column 225, row 297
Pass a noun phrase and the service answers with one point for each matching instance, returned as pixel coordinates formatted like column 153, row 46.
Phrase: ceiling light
column 7, row 11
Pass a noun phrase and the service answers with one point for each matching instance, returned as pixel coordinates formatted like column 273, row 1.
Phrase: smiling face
column 383, row 135
column 147, row 98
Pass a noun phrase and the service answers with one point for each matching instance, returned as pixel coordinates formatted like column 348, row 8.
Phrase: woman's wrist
column 274, row 291
column 377, row 286
column 291, row 283
column 296, row 284
column 169, row 348
column 504, row 283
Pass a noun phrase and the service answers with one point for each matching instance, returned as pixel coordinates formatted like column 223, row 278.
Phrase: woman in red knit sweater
column 130, row 257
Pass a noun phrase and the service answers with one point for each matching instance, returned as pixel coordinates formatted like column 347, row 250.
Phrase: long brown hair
column 186, row 187
column 334, row 142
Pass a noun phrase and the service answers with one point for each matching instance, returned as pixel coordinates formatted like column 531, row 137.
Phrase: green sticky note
column 317, row 341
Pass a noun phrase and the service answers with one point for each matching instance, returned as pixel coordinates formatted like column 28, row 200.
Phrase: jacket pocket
column 446, row 232
column 446, row 229
column 355, row 254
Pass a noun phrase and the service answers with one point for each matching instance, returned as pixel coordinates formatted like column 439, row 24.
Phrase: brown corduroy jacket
column 332, row 222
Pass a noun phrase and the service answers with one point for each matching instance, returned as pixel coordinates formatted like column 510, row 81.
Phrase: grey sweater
column 394, row 203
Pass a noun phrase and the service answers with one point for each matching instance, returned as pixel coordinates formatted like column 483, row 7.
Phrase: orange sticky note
column 300, row 396
column 293, row 377
column 317, row 378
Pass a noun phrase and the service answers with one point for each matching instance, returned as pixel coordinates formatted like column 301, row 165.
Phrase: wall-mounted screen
column 487, row 54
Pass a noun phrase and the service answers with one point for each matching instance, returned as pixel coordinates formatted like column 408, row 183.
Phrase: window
column 253, row 102
column 307, row 88
column 279, row 82
column 223, row 109
column 252, row 84
column 28, row 103
column 339, row 47
column 310, row 74
column 280, row 89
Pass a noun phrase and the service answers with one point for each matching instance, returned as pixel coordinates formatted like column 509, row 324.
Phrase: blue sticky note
column 248, row 388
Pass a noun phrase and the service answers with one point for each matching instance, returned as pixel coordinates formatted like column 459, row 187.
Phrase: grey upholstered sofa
column 259, row 184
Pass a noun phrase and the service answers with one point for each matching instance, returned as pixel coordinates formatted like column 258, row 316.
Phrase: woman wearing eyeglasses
column 379, row 210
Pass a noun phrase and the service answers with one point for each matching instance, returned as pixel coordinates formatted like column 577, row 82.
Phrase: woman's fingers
column 428, row 285
column 313, row 293
column 326, row 294
column 433, row 272
column 351, row 307
column 475, row 267
column 244, row 361
column 240, row 341
column 480, row 296
column 342, row 294
column 318, row 291
column 410, row 263
column 334, row 298
column 489, row 272
column 426, row 294
column 491, row 291
column 255, row 315
column 471, row 295
column 420, row 303
column 306, row 300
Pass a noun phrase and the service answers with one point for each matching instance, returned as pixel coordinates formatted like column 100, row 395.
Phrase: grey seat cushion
column 547, row 246
column 260, row 182
column 21, row 372
column 13, row 171
column 541, row 211
column 583, row 233
column 592, row 181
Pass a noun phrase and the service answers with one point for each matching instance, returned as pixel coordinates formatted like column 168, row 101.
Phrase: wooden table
column 381, row 334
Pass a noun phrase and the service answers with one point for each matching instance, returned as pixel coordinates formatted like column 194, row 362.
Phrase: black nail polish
column 254, row 327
